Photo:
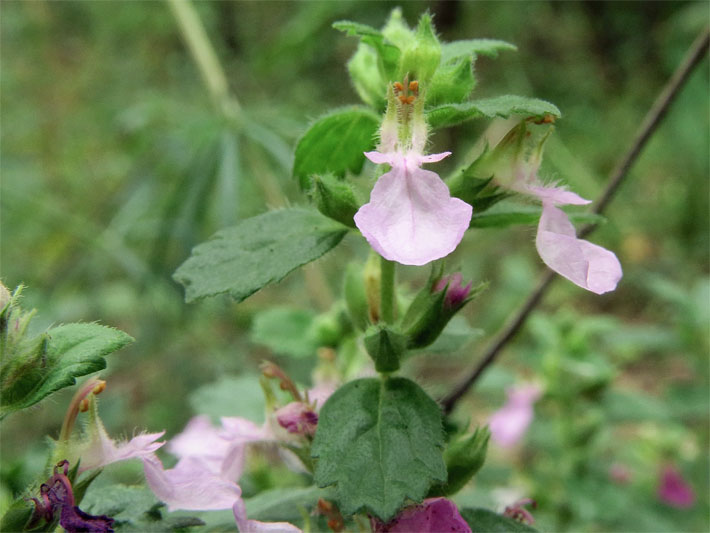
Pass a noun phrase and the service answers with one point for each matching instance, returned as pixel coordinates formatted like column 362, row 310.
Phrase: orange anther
column 100, row 387
column 398, row 87
column 414, row 86
column 84, row 405
column 410, row 99
column 324, row 506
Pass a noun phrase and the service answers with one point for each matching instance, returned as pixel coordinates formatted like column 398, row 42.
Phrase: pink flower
column 673, row 490
column 518, row 512
column 509, row 424
column 411, row 217
column 431, row 516
column 298, row 418
column 254, row 526
column 456, row 291
column 583, row 263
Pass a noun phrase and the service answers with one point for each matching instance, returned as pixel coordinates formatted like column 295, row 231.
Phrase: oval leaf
column 260, row 250
column 500, row 106
column 379, row 442
column 335, row 143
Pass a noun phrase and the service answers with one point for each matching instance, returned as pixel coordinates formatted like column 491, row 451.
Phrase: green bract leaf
column 260, row 250
column 379, row 442
column 387, row 53
column 473, row 47
column 485, row 521
column 335, row 144
column 285, row 331
column 65, row 353
column 500, row 106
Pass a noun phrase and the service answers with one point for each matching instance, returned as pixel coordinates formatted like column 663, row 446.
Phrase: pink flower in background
column 411, row 217
column 518, row 512
column 254, row 526
column 102, row 450
column 431, row 516
column 298, row 418
column 510, row 422
column 673, row 490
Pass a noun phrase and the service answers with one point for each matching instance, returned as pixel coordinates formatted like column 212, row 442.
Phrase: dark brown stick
column 649, row 125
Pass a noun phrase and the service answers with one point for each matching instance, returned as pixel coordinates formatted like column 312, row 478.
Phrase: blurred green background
column 115, row 162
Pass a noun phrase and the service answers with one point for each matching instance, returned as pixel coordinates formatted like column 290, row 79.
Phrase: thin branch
column 649, row 125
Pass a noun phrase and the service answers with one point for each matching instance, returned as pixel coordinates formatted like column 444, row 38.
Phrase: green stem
column 387, row 290
column 204, row 55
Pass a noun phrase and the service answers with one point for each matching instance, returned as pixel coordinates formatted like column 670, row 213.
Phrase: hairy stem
column 649, row 125
column 387, row 290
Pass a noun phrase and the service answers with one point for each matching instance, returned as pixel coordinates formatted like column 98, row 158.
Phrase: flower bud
column 365, row 73
column 433, row 307
column 422, row 58
column 386, row 347
column 298, row 418
column 334, row 198
column 464, row 457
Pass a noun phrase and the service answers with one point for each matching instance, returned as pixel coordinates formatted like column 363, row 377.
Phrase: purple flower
column 431, row 516
column 298, row 418
column 673, row 490
column 456, row 292
column 411, row 217
column 57, row 495
column 509, row 423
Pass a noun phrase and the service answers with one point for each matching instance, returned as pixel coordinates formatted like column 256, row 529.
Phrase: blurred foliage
column 115, row 163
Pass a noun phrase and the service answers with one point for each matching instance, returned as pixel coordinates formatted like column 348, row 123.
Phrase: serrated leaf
column 500, row 106
column 524, row 215
column 283, row 505
column 72, row 351
column 285, row 331
column 260, row 250
column 380, row 443
column 335, row 144
column 474, row 47
column 485, row 521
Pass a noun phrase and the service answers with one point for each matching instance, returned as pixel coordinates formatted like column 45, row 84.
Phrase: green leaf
column 260, row 250
column 284, row 504
column 217, row 399
column 500, row 106
column 387, row 53
column 335, row 144
column 452, row 83
column 485, row 521
column 285, row 331
column 526, row 215
column 71, row 351
column 474, row 47
column 379, row 442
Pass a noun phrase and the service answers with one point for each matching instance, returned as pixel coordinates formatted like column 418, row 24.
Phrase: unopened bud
column 464, row 457
column 386, row 347
column 422, row 58
column 335, row 198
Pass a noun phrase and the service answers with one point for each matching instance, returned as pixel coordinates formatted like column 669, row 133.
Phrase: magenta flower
column 673, row 490
column 456, row 291
column 57, row 495
column 519, row 513
column 298, row 418
column 509, row 423
column 431, row 516
column 411, row 217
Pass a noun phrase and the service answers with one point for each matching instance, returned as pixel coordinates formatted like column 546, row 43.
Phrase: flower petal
column 590, row 266
column 254, row 526
column 102, row 450
column 510, row 422
column 433, row 158
column 190, row 485
column 381, row 158
column 411, row 217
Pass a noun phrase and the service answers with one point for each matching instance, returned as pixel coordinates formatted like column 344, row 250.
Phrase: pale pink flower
column 510, row 422
column 675, row 491
column 585, row 264
column 254, row 526
column 101, row 450
column 411, row 217
column 433, row 515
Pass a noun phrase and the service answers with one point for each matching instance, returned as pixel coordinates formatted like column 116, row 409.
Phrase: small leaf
column 474, row 47
column 285, row 331
column 72, row 351
column 485, row 521
column 379, row 442
column 387, row 53
column 260, row 250
column 335, row 144
column 500, row 106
